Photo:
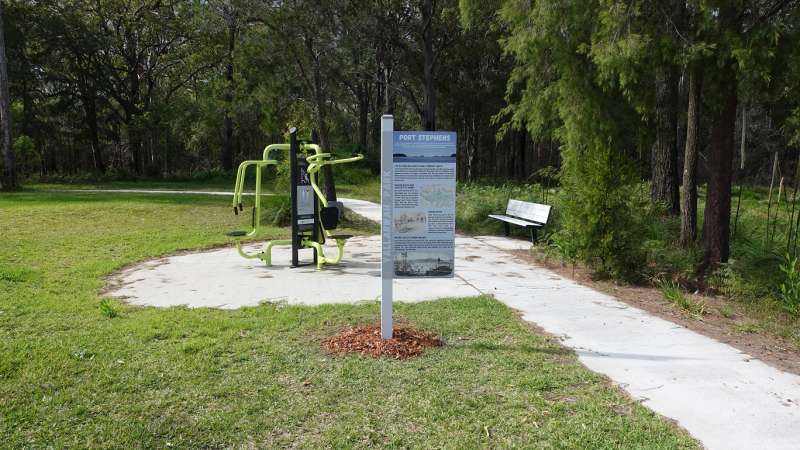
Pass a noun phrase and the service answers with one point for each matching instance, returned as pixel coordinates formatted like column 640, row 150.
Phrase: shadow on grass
column 491, row 346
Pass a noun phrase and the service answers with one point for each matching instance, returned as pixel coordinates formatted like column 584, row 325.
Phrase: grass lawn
column 71, row 376
column 353, row 182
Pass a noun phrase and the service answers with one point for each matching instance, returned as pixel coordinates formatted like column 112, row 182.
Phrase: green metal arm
column 315, row 164
column 241, row 174
column 272, row 147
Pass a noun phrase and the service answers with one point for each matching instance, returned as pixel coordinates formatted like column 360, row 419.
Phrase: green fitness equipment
column 313, row 215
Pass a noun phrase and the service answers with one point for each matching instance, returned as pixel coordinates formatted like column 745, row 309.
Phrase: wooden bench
column 525, row 214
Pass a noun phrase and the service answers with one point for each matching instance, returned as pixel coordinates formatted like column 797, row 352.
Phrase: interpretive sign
column 424, row 186
column 418, row 199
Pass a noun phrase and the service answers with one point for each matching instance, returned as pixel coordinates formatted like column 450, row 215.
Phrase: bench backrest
column 535, row 212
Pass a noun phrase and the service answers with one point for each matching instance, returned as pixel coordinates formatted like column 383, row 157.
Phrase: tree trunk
column 322, row 126
column 521, row 163
column 227, row 142
column 429, row 108
column 9, row 180
column 90, row 109
column 363, row 114
column 664, row 157
column 716, row 227
column 689, row 194
column 134, row 142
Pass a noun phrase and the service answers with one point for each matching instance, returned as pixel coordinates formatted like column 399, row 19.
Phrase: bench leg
column 534, row 234
column 507, row 226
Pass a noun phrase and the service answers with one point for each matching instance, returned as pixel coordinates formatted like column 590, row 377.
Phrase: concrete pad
column 223, row 279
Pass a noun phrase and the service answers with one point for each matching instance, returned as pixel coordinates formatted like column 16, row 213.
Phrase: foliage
column 568, row 103
column 140, row 89
column 601, row 220
column 673, row 293
column 475, row 201
column 108, row 309
column 790, row 288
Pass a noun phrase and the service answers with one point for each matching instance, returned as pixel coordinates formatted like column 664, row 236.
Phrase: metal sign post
column 387, row 263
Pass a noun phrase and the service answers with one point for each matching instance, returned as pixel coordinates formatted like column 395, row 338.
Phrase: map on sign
column 423, row 219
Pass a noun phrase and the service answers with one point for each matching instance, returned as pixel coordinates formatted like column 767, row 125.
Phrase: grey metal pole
column 387, row 200
column 293, row 188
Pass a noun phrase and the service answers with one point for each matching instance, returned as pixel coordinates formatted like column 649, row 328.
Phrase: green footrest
column 238, row 233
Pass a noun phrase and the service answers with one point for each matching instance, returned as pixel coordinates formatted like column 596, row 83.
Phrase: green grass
column 752, row 278
column 73, row 374
column 353, row 182
column 673, row 293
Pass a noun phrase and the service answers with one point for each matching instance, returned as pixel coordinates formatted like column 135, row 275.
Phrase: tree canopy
column 612, row 93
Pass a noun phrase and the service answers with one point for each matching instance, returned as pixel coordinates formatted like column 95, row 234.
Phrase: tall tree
column 664, row 155
column 235, row 15
column 694, row 54
column 231, row 17
column 747, row 40
column 689, row 193
column 147, row 42
column 664, row 160
column 427, row 10
column 637, row 47
column 555, row 77
column 9, row 180
column 716, row 224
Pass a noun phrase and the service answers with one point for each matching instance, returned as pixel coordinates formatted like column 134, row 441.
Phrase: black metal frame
column 295, row 166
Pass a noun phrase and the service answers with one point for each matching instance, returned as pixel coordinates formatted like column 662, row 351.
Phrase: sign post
column 418, row 213
column 387, row 204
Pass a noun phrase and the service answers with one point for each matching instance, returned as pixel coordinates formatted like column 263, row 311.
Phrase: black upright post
column 293, row 147
column 317, row 231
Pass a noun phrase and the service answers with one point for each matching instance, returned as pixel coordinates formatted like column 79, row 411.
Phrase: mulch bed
column 406, row 342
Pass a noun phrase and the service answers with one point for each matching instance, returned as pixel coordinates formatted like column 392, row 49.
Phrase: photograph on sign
column 424, row 196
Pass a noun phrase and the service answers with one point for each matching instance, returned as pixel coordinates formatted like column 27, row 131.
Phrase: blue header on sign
column 424, row 146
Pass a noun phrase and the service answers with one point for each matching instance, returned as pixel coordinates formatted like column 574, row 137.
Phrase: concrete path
column 723, row 397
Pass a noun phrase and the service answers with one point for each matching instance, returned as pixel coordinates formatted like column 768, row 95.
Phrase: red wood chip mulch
column 405, row 343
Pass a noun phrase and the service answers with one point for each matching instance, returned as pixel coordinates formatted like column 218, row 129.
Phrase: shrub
column 602, row 216
column 790, row 288
column 673, row 293
column 108, row 309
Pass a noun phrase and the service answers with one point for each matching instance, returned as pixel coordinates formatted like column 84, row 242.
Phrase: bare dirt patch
column 407, row 342
column 722, row 320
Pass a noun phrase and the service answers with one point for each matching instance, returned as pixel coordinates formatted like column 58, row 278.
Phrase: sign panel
column 305, row 198
column 423, row 203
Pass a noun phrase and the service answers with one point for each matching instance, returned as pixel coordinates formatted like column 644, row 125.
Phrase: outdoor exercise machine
column 313, row 215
